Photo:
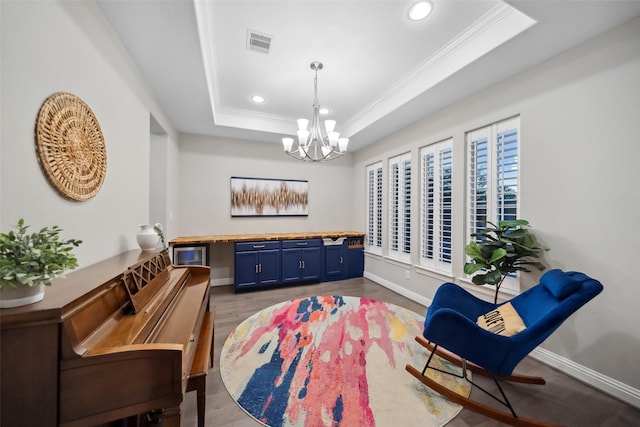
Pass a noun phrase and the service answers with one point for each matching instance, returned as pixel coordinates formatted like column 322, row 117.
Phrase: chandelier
column 312, row 144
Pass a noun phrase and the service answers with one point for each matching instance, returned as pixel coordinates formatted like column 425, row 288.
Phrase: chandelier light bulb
column 342, row 144
column 329, row 125
column 303, row 135
column 287, row 143
column 333, row 138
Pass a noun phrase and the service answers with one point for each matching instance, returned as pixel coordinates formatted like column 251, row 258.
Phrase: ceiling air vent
column 258, row 42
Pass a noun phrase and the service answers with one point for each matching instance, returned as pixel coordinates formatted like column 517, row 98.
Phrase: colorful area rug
column 334, row 361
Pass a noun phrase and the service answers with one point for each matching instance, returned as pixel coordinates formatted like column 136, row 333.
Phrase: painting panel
column 269, row 197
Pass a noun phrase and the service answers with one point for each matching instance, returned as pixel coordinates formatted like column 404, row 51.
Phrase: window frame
column 436, row 225
column 493, row 168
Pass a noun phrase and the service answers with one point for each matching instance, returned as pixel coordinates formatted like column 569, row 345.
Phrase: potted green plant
column 502, row 250
column 30, row 261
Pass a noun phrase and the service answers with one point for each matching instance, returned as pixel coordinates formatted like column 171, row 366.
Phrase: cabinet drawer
column 306, row 243
column 257, row 246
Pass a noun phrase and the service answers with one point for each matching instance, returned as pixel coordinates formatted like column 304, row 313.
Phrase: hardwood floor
column 563, row 400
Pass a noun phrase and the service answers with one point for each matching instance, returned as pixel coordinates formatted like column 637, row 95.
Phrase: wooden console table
column 276, row 259
column 222, row 238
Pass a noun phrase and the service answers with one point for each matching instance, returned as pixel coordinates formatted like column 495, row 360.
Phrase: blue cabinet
column 300, row 260
column 335, row 261
column 257, row 264
column 274, row 262
column 355, row 255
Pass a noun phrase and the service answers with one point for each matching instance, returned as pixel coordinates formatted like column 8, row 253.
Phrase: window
column 493, row 171
column 436, row 215
column 374, row 208
column 400, row 207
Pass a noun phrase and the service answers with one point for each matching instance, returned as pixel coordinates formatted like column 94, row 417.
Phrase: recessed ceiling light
column 420, row 10
column 257, row 99
column 324, row 111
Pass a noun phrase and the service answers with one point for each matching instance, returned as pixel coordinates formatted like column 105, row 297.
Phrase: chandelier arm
column 307, row 159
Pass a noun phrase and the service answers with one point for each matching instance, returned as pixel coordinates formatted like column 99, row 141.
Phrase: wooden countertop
column 192, row 240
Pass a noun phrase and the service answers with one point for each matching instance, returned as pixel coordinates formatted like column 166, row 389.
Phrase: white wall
column 158, row 185
column 54, row 46
column 206, row 167
column 208, row 163
column 579, row 115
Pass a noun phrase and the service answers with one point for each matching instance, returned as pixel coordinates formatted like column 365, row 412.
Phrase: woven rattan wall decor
column 71, row 146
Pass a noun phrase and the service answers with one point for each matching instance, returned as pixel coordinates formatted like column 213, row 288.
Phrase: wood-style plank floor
column 563, row 400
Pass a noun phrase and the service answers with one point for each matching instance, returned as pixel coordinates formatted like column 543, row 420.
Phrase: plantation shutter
column 400, row 207
column 507, row 171
column 406, row 208
column 493, row 170
column 478, row 190
column 446, row 197
column 379, row 207
column 428, row 206
column 374, row 208
column 395, row 203
column 436, row 221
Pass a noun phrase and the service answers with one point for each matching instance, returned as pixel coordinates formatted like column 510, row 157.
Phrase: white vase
column 20, row 295
column 147, row 237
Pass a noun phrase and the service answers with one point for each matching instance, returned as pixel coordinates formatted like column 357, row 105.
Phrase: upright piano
column 117, row 340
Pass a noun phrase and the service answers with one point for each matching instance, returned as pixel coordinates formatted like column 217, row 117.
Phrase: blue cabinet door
column 257, row 264
column 246, row 269
column 355, row 257
column 291, row 265
column 269, row 267
column 335, row 262
column 310, row 263
column 300, row 260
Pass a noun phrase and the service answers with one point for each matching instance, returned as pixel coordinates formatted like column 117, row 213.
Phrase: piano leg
column 203, row 360
column 199, row 384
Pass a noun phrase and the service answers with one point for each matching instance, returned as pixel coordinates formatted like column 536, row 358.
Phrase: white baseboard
column 399, row 289
column 595, row 379
column 221, row 281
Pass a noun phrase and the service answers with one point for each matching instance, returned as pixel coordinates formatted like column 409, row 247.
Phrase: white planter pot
column 147, row 237
column 20, row 295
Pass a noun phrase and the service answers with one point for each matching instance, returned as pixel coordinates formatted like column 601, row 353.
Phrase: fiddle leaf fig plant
column 32, row 258
column 501, row 250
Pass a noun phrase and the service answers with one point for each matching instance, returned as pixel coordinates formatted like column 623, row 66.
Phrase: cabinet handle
column 299, row 264
column 260, row 268
column 256, row 268
column 340, row 260
column 302, row 243
column 302, row 264
column 258, row 246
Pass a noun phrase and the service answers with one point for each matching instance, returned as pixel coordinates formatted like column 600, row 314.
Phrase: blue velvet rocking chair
column 490, row 340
